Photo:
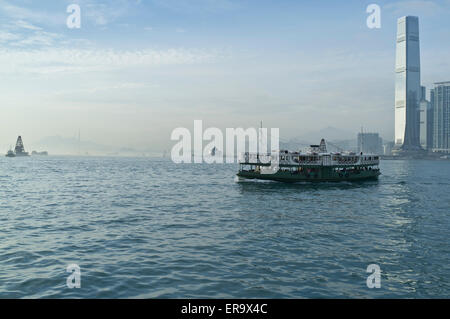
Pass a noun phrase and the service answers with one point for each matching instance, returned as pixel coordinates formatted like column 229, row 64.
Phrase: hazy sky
column 137, row 69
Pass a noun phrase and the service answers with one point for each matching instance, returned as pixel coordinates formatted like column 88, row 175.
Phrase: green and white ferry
column 314, row 165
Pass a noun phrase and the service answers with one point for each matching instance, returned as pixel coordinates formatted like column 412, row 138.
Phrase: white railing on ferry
column 255, row 158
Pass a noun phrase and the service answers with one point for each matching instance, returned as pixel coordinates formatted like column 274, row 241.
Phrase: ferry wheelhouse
column 315, row 165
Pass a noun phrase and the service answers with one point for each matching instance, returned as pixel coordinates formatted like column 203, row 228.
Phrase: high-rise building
column 426, row 121
column 387, row 148
column 407, row 85
column 440, row 102
column 370, row 143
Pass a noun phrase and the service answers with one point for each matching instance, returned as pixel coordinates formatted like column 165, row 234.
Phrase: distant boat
column 44, row 153
column 10, row 154
column 215, row 152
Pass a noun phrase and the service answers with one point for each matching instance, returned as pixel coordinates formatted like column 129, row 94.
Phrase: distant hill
column 71, row 146
column 341, row 139
column 328, row 133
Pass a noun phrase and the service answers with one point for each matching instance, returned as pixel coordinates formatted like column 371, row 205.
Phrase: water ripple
column 148, row 228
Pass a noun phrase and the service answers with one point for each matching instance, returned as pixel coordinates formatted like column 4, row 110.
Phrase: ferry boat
column 315, row 165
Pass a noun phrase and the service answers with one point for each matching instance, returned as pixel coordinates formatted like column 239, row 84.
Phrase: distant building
column 440, row 103
column 388, row 147
column 426, row 121
column 407, row 85
column 370, row 143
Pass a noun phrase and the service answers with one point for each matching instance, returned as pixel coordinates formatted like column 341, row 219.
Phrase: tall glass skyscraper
column 440, row 100
column 407, row 85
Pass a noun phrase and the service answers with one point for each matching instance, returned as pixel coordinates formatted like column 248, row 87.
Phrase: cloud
column 61, row 60
column 98, row 12
column 194, row 6
column 19, row 27
column 115, row 87
column 26, row 25
column 414, row 7
column 101, row 13
column 40, row 38
column 24, row 34
column 21, row 14
column 6, row 36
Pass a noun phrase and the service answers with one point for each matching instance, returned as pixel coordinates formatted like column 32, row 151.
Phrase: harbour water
column 149, row 228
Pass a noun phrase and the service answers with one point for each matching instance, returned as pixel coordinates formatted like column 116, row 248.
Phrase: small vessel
column 43, row 153
column 315, row 165
column 10, row 154
column 215, row 151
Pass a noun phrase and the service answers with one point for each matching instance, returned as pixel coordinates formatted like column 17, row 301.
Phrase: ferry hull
column 289, row 177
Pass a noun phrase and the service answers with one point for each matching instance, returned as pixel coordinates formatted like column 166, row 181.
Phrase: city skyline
column 134, row 71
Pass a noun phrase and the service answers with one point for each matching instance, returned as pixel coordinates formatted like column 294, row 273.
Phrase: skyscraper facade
column 407, row 85
column 440, row 102
column 426, row 118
